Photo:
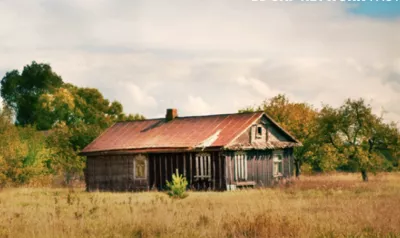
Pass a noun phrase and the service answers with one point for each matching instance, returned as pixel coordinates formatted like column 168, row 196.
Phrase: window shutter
column 203, row 166
column 240, row 166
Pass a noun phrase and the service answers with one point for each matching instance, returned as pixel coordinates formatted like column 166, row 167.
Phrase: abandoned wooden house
column 218, row 152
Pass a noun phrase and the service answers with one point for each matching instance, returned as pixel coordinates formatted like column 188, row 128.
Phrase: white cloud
column 207, row 56
column 139, row 96
column 196, row 105
column 134, row 98
column 257, row 86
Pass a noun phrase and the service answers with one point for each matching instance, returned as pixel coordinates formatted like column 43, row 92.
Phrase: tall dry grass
column 337, row 205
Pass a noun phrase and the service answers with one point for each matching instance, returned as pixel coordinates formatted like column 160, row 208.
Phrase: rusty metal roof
column 181, row 132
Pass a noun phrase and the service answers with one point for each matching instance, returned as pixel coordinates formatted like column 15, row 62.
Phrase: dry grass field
column 337, row 205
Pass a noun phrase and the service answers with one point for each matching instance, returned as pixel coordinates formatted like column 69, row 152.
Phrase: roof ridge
column 223, row 114
column 140, row 120
column 196, row 116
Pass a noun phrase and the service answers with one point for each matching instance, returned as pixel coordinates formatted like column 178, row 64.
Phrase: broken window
column 203, row 166
column 240, row 164
column 140, row 167
column 278, row 163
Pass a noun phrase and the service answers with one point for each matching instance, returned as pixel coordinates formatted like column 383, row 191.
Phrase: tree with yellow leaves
column 299, row 119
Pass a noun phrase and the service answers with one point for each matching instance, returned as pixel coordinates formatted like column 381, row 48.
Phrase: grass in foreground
column 318, row 206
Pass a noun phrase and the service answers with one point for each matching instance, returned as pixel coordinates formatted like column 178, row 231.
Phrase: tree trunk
column 67, row 178
column 297, row 165
column 364, row 175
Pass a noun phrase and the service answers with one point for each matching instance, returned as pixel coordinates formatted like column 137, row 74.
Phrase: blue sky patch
column 379, row 9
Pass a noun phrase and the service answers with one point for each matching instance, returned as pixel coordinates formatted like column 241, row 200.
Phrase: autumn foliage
column 45, row 122
column 348, row 138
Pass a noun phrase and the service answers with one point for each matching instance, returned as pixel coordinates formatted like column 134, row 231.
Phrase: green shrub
column 177, row 187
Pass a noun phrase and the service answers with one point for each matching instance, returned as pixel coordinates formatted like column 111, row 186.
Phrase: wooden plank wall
column 288, row 162
column 113, row 173
column 260, row 167
column 116, row 172
column 163, row 165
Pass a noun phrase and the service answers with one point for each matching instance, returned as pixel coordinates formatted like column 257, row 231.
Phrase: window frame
column 203, row 166
column 277, row 158
column 240, row 166
column 259, row 135
column 136, row 158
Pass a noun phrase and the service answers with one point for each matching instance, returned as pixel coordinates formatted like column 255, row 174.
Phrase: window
column 278, row 163
column 240, row 163
column 203, row 166
column 259, row 131
column 140, row 167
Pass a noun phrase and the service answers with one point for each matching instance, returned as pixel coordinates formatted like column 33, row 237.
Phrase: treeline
column 347, row 138
column 45, row 122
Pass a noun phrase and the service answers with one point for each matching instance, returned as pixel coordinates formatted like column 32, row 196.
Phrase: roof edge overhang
column 179, row 150
column 150, row 150
column 249, row 147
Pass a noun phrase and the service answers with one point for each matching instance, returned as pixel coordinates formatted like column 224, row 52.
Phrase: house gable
column 263, row 133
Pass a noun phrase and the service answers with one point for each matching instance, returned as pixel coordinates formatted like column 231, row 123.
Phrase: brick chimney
column 171, row 114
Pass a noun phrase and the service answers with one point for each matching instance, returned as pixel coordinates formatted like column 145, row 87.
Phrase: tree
column 84, row 111
column 39, row 97
column 177, row 186
column 72, row 116
column 64, row 157
column 358, row 135
column 76, row 116
column 75, row 106
column 21, row 92
column 299, row 119
column 23, row 152
column 56, row 107
column 131, row 117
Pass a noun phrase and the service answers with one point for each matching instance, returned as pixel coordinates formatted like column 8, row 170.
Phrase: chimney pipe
column 172, row 113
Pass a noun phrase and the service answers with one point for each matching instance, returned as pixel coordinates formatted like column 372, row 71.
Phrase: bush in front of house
column 177, row 187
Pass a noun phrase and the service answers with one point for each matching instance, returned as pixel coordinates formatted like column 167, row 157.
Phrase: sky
column 211, row 57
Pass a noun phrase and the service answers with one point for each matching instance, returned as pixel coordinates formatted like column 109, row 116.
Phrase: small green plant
column 177, row 187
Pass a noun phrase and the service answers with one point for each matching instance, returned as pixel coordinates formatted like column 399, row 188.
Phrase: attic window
column 259, row 131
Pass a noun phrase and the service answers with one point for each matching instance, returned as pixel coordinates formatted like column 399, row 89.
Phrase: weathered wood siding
column 112, row 173
column 260, row 167
column 116, row 172
column 288, row 162
column 162, row 166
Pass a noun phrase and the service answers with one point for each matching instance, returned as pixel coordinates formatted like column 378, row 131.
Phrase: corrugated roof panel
column 181, row 132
